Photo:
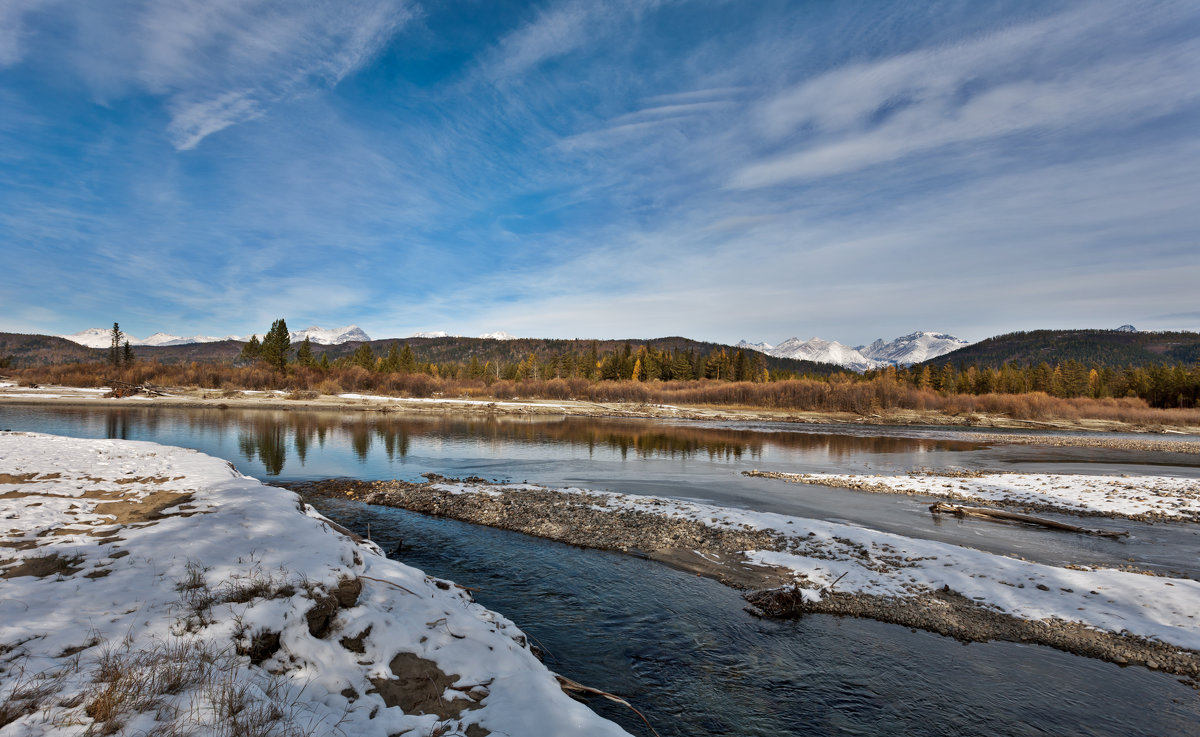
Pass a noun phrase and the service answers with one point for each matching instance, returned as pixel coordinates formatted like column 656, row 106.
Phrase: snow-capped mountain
column 431, row 334
column 912, row 348
column 336, row 336
column 903, row 351
column 500, row 335
column 760, row 347
column 165, row 339
column 823, row 351
column 97, row 338
column 102, row 337
column 1127, row 329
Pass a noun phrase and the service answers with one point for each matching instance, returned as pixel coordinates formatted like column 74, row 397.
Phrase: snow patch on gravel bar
column 1135, row 497
column 827, row 555
column 148, row 588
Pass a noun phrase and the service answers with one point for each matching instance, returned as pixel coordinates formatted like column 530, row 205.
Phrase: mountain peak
column 916, row 347
column 907, row 349
column 336, row 336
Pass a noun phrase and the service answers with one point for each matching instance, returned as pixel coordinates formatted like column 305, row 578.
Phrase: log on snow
column 989, row 513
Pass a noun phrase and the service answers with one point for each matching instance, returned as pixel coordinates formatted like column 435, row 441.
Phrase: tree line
column 626, row 363
column 1159, row 385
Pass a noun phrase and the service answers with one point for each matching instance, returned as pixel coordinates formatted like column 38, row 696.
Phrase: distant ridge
column 1115, row 348
column 903, row 351
column 102, row 337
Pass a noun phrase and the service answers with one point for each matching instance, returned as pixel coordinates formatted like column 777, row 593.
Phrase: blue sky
column 638, row 168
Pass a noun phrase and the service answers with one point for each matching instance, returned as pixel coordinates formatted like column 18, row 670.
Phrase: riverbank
column 800, row 566
column 153, row 589
column 1083, row 432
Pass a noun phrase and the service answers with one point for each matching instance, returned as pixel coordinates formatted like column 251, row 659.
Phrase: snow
column 905, row 350
column 97, row 338
column 879, row 563
column 102, row 337
column 431, row 334
column 823, row 351
column 500, row 335
column 1167, row 497
column 336, row 336
column 913, row 348
column 228, row 560
column 763, row 347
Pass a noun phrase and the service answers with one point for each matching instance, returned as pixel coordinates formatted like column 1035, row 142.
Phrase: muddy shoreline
column 716, row 553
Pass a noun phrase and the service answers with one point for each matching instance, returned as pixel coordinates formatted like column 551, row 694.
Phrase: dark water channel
column 680, row 647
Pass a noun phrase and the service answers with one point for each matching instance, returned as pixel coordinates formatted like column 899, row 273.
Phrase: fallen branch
column 999, row 514
column 568, row 685
column 389, row 583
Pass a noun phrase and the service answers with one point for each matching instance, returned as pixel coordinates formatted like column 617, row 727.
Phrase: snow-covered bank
column 1133, row 497
column 826, row 557
column 151, row 588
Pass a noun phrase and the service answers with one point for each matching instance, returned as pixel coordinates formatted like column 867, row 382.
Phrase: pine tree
column 391, row 363
column 304, row 354
column 114, row 351
column 364, row 357
column 252, row 351
column 276, row 345
column 127, row 354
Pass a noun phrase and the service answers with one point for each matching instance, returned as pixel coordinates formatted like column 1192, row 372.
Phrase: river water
column 681, row 648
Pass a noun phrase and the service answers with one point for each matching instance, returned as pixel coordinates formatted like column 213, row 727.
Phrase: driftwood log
column 125, row 389
column 999, row 514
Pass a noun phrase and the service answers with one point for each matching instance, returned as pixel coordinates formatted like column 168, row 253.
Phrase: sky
column 619, row 169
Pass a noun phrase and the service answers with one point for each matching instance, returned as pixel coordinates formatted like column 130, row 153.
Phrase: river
column 679, row 647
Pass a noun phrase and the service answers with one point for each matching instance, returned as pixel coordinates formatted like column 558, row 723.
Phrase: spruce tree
column 304, row 354
column 127, row 354
column 364, row 357
column 276, row 344
column 114, row 351
column 252, row 351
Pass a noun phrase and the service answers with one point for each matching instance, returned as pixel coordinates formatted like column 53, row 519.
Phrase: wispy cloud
column 552, row 33
column 214, row 62
column 1031, row 78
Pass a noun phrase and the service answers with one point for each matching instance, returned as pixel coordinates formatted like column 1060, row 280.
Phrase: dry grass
column 839, row 393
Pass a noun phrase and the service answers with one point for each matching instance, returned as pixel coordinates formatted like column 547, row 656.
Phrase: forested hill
column 1110, row 348
column 461, row 350
column 38, row 350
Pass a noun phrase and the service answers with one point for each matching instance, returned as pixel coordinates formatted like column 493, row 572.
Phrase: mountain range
column 903, row 351
column 102, row 337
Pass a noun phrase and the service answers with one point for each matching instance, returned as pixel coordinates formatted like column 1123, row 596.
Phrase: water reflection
column 269, row 436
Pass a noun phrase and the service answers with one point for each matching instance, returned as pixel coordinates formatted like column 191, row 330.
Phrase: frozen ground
column 155, row 590
column 1134, row 497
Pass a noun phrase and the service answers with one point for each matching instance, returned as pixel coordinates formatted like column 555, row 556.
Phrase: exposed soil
column 42, row 566
column 716, row 553
column 146, row 509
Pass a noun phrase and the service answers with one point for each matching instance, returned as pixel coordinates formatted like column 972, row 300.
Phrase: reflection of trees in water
column 266, row 434
column 267, row 440
column 116, row 425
